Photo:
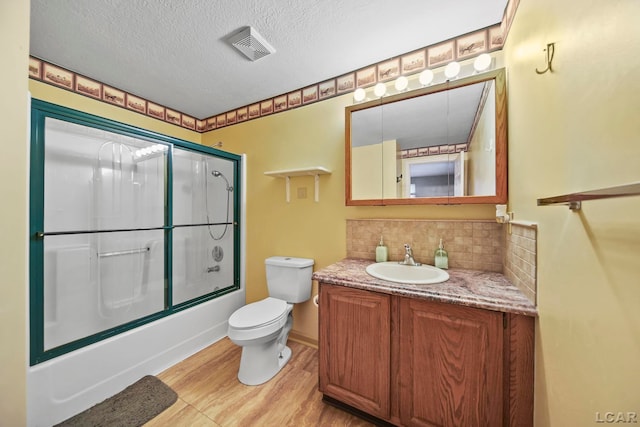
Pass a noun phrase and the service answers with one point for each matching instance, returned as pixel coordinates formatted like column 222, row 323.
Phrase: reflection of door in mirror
column 459, row 175
column 443, row 175
column 482, row 148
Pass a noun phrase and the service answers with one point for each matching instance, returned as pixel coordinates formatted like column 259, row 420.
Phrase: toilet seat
column 259, row 314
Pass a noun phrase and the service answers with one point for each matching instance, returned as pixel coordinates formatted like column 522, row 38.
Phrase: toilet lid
column 259, row 313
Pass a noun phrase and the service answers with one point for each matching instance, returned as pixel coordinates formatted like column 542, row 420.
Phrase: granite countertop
column 472, row 288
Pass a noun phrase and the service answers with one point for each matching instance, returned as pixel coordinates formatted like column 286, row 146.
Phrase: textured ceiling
column 174, row 52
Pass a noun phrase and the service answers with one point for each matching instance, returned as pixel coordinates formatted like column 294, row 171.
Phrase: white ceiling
column 174, row 52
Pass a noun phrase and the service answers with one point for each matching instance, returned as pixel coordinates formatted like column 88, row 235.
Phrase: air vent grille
column 251, row 44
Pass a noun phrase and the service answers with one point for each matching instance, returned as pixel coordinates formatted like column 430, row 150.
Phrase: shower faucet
column 212, row 269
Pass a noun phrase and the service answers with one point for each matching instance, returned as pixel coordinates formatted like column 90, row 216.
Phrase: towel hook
column 551, row 49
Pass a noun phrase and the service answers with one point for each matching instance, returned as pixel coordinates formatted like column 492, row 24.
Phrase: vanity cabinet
column 355, row 351
column 416, row 362
column 451, row 361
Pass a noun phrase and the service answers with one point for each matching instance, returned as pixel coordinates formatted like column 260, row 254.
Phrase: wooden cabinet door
column 451, row 360
column 354, row 347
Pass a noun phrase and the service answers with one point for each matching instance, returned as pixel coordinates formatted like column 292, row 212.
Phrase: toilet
column 262, row 328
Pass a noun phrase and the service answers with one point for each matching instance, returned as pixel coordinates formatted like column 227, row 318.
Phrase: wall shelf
column 287, row 174
column 574, row 200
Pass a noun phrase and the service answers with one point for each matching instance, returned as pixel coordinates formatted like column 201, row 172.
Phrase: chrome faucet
column 408, row 256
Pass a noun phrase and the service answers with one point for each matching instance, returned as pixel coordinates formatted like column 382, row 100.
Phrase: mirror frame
column 500, row 145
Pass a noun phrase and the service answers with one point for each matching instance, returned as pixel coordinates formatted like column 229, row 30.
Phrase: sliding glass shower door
column 203, row 217
column 103, row 230
column 127, row 227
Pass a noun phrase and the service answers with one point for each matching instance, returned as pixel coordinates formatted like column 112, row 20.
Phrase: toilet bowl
column 262, row 328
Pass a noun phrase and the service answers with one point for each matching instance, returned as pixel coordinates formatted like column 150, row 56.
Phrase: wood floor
column 210, row 395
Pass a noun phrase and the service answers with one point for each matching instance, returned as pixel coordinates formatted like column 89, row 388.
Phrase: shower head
column 217, row 174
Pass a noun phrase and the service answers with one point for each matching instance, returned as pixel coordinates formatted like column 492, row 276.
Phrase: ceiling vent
column 251, row 44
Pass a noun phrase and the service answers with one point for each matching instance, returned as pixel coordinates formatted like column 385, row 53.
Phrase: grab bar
column 574, row 200
column 127, row 252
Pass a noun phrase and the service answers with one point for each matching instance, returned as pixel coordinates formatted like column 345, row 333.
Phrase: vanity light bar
column 482, row 63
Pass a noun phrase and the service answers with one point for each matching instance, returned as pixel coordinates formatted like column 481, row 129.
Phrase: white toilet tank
column 289, row 278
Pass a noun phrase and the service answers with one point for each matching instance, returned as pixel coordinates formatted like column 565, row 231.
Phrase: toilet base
column 260, row 363
column 264, row 357
column 284, row 357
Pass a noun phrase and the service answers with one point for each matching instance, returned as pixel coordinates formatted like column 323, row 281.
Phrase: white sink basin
column 413, row 274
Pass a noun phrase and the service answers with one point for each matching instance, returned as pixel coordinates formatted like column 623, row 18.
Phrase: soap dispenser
column 381, row 252
column 441, row 257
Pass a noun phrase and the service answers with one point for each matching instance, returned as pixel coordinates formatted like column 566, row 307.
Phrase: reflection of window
column 118, row 220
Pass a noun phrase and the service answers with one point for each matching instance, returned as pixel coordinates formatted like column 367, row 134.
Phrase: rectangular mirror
column 441, row 144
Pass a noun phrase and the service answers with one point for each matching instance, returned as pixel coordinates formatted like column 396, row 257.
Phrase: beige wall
column 571, row 130
column 14, row 33
column 374, row 168
column 366, row 173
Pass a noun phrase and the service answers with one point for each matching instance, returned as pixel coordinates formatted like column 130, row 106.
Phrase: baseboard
column 303, row 339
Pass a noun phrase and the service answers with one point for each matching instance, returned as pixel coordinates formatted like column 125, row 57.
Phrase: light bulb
column 401, row 83
column 380, row 89
column 452, row 69
column 482, row 62
column 426, row 77
column 359, row 95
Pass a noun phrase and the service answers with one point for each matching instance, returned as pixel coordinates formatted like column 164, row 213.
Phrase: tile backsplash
column 476, row 245
column 520, row 264
column 471, row 244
